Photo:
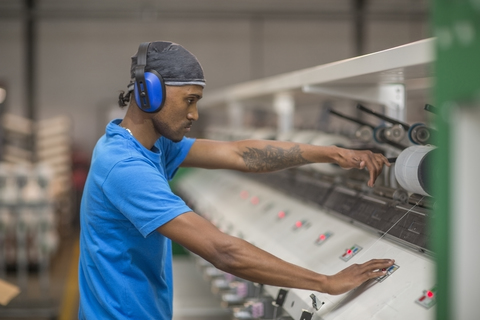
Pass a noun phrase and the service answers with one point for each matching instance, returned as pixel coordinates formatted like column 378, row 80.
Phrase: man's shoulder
column 108, row 153
column 166, row 144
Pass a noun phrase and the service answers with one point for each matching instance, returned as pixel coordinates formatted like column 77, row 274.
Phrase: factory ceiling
column 151, row 9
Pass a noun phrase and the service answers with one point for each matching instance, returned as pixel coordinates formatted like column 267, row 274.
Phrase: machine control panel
column 255, row 200
column 375, row 210
column 301, row 224
column 282, row 214
column 350, row 252
column 323, row 237
column 428, row 299
column 245, row 195
column 293, row 228
column 389, row 270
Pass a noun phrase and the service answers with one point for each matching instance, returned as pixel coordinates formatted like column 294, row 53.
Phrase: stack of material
column 17, row 137
column 54, row 148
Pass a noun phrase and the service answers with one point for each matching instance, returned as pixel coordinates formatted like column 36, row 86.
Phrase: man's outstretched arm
column 240, row 258
column 269, row 155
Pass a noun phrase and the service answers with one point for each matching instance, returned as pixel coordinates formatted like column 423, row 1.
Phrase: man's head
column 182, row 83
column 176, row 65
column 156, row 65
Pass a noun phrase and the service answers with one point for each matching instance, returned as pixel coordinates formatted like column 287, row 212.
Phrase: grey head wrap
column 176, row 65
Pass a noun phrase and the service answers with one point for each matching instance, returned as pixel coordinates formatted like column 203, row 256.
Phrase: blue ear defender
column 150, row 93
column 149, row 87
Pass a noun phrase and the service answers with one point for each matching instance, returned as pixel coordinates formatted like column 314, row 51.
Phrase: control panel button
column 301, row 224
column 428, row 299
column 281, row 214
column 323, row 237
column 389, row 270
column 316, row 304
column 350, row 253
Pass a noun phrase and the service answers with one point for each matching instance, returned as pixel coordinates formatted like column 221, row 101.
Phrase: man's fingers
column 354, row 275
column 375, row 274
column 373, row 162
column 386, row 162
column 376, row 268
column 376, row 167
column 377, row 264
column 362, row 164
column 373, row 175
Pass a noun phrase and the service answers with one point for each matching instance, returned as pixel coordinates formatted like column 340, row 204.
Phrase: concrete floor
column 57, row 299
column 193, row 299
column 43, row 296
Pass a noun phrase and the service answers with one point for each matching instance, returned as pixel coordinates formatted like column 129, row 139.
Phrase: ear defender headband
column 149, row 87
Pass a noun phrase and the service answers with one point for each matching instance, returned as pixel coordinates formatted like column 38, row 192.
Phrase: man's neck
column 142, row 129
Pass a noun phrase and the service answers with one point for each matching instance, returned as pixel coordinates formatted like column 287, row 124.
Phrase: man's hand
column 356, row 274
column 361, row 159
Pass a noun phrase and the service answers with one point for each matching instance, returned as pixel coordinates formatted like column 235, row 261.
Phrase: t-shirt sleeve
column 142, row 195
column 174, row 153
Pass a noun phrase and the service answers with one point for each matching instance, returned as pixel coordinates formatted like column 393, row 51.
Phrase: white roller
column 411, row 169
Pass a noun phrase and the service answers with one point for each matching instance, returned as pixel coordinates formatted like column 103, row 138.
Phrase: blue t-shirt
column 125, row 268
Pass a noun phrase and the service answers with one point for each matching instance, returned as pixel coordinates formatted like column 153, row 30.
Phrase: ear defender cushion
column 156, row 92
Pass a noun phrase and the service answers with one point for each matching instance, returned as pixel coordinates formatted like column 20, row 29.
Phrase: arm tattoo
column 272, row 158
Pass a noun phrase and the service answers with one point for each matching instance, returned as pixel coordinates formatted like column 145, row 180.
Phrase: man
column 129, row 214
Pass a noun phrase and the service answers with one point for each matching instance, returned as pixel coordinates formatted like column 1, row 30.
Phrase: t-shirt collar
column 114, row 128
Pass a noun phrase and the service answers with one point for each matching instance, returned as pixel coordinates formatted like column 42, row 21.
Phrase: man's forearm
column 251, row 263
column 246, row 261
column 273, row 156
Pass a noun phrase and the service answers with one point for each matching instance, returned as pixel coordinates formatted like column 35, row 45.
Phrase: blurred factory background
column 394, row 76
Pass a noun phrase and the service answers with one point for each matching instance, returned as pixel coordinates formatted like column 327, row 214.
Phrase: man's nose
column 193, row 114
